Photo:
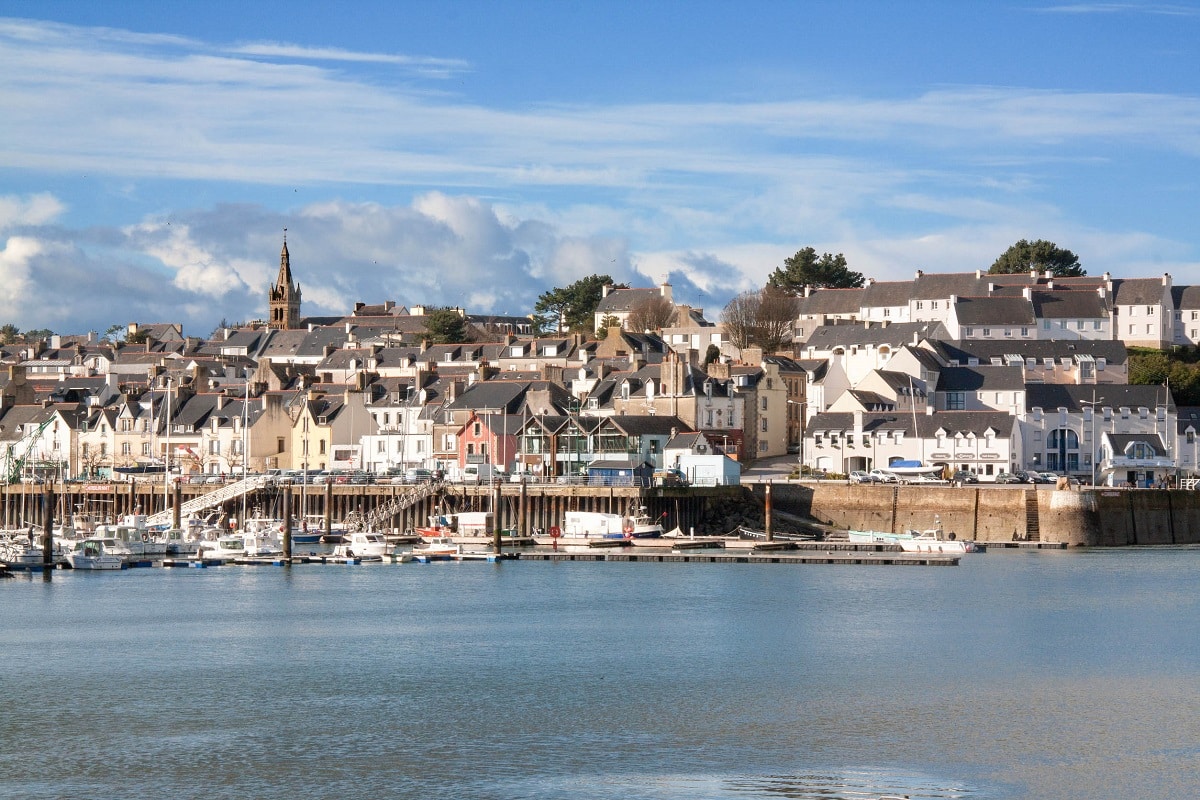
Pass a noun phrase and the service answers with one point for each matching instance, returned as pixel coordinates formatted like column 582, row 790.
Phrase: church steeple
column 284, row 296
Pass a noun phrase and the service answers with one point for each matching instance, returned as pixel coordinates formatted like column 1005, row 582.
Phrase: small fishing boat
column 98, row 553
column 364, row 544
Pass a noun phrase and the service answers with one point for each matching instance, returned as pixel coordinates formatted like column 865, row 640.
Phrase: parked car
column 418, row 475
column 964, row 476
column 1012, row 477
column 883, row 476
column 861, row 476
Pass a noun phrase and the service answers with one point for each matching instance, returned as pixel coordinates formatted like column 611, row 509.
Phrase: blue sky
column 481, row 153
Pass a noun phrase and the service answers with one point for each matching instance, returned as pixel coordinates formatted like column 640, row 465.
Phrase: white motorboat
column 438, row 547
column 364, row 544
column 232, row 545
column 22, row 551
column 97, row 552
column 581, row 527
column 933, row 540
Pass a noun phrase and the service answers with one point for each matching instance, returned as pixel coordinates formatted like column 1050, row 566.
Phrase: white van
column 477, row 473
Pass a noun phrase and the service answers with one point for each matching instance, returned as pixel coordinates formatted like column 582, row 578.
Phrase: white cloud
column 38, row 209
column 15, row 274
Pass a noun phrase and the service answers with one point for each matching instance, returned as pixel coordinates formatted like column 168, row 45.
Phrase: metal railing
column 206, row 501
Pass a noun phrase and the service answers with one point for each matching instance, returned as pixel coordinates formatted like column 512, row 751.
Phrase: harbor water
column 1017, row 674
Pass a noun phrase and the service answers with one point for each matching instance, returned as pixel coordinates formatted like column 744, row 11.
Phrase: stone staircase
column 1032, row 527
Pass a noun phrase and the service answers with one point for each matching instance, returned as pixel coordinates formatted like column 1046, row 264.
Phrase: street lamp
column 1095, row 401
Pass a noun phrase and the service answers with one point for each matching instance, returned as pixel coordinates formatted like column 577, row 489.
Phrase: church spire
column 284, row 296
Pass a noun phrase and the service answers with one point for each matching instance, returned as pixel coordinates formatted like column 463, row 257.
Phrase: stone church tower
column 284, row 296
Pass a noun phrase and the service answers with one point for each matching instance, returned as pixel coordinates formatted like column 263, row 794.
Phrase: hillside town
column 983, row 375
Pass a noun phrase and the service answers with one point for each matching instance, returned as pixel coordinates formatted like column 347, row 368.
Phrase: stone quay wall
column 1078, row 518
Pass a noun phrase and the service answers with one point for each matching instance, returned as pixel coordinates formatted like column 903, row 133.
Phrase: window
column 1045, row 324
column 104, row 449
column 476, row 429
column 1096, row 325
column 321, row 449
column 764, row 424
column 764, row 404
column 126, row 425
column 955, row 401
column 146, row 449
column 987, row 332
column 126, row 449
column 1008, row 331
column 214, row 447
column 1149, row 311
column 1025, row 332
column 84, row 451
column 968, row 331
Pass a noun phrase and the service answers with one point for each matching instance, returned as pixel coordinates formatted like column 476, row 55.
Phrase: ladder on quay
column 229, row 491
column 356, row 520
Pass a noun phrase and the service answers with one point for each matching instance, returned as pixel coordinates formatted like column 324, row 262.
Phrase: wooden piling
column 496, row 512
column 328, row 510
column 287, row 521
column 767, row 510
column 48, row 528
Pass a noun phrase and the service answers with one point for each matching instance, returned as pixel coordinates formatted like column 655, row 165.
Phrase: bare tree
column 777, row 312
column 651, row 314
column 765, row 319
column 740, row 316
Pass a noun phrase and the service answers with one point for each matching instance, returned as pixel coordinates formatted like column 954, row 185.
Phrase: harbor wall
column 1103, row 517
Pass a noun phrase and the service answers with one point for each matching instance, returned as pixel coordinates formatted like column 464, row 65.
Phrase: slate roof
column 941, row 285
column 897, row 334
column 1001, row 311
column 926, row 425
column 887, row 294
column 1070, row 305
column 1073, row 397
column 495, row 395
column 620, row 301
column 1137, row 291
column 832, row 301
column 283, row 344
column 1189, row 417
column 1120, row 441
column 1187, row 298
column 1113, row 352
column 981, row 379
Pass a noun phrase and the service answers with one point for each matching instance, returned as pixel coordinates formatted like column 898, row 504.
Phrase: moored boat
column 99, row 553
column 933, row 540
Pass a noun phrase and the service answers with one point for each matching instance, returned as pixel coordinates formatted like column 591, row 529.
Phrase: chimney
column 928, row 410
column 604, row 290
column 979, row 277
column 920, row 273
column 858, row 423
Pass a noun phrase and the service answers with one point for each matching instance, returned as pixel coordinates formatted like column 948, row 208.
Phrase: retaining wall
column 1104, row 517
